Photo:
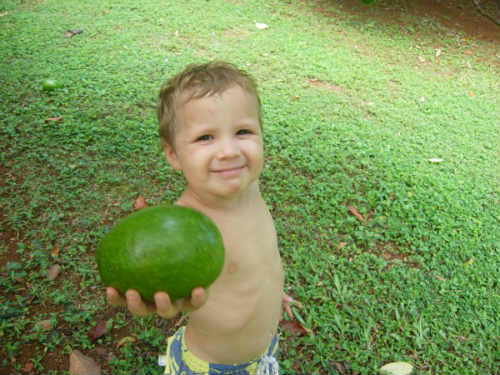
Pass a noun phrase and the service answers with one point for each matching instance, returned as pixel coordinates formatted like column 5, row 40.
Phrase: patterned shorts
column 179, row 360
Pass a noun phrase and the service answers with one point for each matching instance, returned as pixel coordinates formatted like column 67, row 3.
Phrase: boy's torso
column 243, row 308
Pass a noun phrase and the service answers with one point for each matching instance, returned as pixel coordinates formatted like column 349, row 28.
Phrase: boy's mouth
column 229, row 171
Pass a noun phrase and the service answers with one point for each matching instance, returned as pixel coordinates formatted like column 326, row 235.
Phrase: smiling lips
column 229, row 172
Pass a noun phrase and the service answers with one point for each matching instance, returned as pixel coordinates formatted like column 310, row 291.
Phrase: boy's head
column 198, row 81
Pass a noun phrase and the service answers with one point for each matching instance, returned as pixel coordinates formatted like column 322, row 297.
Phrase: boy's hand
column 162, row 306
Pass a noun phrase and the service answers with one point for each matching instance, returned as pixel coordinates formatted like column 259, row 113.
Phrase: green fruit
column 49, row 85
column 164, row 248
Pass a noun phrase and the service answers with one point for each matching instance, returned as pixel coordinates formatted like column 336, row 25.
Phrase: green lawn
column 398, row 123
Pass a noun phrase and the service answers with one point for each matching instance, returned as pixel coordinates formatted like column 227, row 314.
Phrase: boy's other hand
column 162, row 306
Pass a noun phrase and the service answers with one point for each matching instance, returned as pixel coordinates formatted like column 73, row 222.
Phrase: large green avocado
column 163, row 248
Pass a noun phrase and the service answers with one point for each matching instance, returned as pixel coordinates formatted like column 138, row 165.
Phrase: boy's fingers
column 198, row 297
column 136, row 304
column 114, row 298
column 164, row 307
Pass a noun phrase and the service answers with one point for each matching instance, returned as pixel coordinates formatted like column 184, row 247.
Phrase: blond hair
column 197, row 81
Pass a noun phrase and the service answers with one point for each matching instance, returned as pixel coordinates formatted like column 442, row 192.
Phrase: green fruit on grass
column 163, row 248
column 49, row 85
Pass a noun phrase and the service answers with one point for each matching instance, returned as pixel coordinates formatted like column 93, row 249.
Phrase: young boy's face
column 218, row 143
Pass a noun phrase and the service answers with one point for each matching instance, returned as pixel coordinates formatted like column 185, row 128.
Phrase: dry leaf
column 396, row 368
column 438, row 52
column 53, row 272
column 99, row 330
column 28, row 367
column 356, row 213
column 140, row 203
column 55, row 252
column 469, row 52
column 293, row 327
column 44, row 325
column 421, row 59
column 440, row 278
column 125, row 340
column 80, row 364
column 341, row 245
column 472, row 95
column 54, row 119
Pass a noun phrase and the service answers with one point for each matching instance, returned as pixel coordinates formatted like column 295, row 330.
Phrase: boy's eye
column 244, row 132
column 204, row 138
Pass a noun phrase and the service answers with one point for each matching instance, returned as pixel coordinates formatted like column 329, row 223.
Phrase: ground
column 457, row 15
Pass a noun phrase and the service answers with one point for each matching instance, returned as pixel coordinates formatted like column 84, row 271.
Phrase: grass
column 353, row 111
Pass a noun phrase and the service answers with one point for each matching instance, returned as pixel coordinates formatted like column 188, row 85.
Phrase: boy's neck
column 202, row 202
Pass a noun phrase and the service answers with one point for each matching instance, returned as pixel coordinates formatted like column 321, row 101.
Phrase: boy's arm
column 162, row 306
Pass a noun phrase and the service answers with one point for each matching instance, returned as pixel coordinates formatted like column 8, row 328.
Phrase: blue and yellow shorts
column 179, row 360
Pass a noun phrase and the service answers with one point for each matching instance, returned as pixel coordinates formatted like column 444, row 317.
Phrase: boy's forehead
column 199, row 92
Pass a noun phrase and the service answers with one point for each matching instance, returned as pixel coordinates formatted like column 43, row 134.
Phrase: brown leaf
column 140, row 203
column 80, row 364
column 356, row 213
column 28, row 367
column 44, row 325
column 54, row 119
column 125, row 340
column 294, row 327
column 55, row 252
column 53, row 272
column 341, row 245
column 99, row 330
column 469, row 52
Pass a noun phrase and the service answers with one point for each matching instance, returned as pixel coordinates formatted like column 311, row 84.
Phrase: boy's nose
column 228, row 149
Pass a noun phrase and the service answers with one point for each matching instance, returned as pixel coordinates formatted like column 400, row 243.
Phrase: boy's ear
column 170, row 155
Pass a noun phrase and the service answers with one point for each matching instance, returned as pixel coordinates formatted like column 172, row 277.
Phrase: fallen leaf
column 80, row 364
column 53, row 119
column 55, row 252
column 339, row 368
column 421, row 59
column 341, row 245
column 140, row 203
column 72, row 33
column 294, row 98
column 28, row 367
column 125, row 340
column 99, row 330
column 472, row 95
column 293, row 327
column 3, row 14
column 438, row 52
column 440, row 278
column 356, row 213
column 53, row 272
column 44, row 325
column 396, row 368
column 261, row 26
column 469, row 52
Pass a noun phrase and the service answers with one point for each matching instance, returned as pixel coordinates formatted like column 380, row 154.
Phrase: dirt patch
column 460, row 16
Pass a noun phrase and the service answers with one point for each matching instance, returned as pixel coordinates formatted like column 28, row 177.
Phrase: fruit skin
column 163, row 248
column 49, row 85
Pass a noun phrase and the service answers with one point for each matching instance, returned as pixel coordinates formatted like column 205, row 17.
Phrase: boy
column 211, row 130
